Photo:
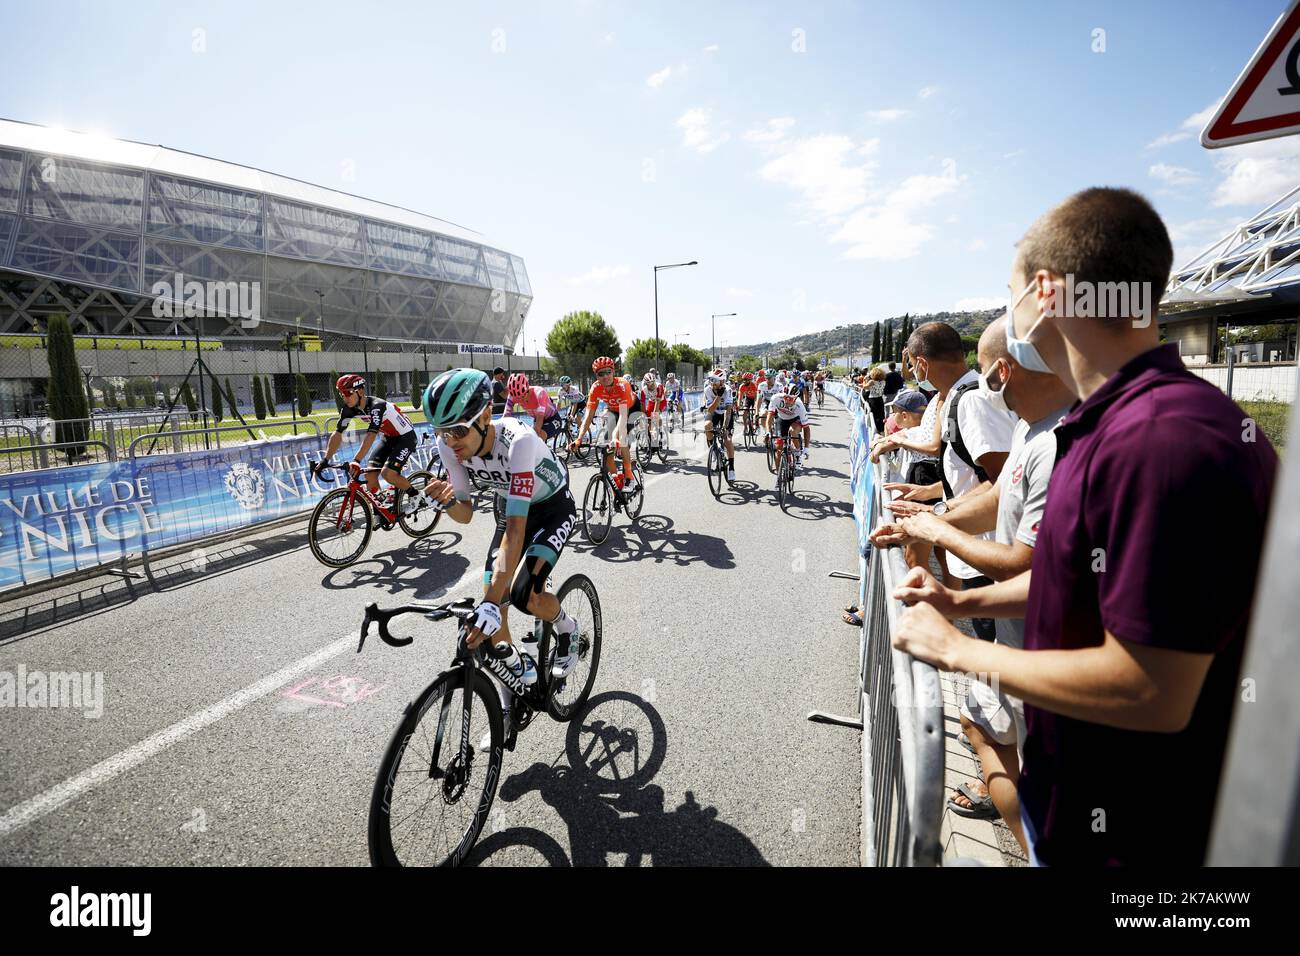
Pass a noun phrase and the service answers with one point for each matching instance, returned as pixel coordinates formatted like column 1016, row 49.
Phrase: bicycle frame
column 356, row 486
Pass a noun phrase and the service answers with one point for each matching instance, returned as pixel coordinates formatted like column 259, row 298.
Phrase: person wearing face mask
column 993, row 721
column 1133, row 640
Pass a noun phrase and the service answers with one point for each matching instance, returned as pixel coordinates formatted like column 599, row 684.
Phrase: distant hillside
column 844, row 338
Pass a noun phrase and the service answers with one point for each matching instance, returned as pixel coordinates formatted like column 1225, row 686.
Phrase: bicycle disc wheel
column 425, row 519
column 566, row 697
column 422, row 814
column 597, row 509
column 716, row 464
column 337, row 535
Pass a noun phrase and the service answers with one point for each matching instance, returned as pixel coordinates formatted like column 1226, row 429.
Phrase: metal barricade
column 134, row 449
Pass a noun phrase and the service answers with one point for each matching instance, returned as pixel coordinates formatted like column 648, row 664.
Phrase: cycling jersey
column 724, row 403
column 537, row 402
column 571, row 394
column 674, row 392
column 795, row 411
column 381, row 416
column 615, row 396
column 652, row 398
column 519, row 466
column 749, row 391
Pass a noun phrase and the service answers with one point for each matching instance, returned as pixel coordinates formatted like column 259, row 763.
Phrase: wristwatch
column 940, row 507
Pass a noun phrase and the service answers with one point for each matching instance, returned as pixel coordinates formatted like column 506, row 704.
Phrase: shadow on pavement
column 652, row 539
column 422, row 569
column 607, row 803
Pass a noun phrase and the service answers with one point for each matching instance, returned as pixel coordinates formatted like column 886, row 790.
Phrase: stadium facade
column 146, row 248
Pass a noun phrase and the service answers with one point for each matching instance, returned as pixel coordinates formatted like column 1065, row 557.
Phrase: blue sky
column 825, row 162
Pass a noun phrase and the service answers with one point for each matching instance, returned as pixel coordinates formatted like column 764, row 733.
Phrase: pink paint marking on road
column 343, row 690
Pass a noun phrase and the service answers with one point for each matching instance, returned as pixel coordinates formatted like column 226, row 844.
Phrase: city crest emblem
column 246, row 486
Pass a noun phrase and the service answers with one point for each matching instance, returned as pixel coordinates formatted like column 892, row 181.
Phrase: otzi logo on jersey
column 246, row 486
column 521, row 485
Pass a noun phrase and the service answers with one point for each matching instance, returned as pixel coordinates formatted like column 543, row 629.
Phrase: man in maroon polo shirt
column 1135, row 618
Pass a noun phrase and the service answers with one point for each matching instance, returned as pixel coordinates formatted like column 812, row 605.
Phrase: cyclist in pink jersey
column 535, row 401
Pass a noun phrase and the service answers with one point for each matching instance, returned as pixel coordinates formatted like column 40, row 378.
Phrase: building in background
column 147, row 249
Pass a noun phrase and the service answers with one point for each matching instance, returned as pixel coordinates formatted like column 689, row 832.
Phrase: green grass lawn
column 1272, row 418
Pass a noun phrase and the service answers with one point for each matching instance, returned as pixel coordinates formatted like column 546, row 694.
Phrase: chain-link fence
column 578, row 367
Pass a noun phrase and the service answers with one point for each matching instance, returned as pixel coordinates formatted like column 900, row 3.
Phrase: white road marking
column 31, row 810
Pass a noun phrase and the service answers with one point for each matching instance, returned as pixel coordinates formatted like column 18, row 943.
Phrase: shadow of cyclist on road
column 423, row 569
column 652, row 538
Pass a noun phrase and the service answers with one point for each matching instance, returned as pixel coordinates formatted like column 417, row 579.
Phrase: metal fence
column 901, row 700
column 578, row 367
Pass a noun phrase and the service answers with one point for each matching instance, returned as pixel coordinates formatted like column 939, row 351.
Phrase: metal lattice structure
column 1259, row 259
column 89, row 227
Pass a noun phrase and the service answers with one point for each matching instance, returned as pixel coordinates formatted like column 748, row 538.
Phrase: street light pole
column 321, row 302
column 713, row 334
column 677, row 265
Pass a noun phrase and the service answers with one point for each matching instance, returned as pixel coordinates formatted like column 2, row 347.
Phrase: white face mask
column 998, row 399
column 1020, row 349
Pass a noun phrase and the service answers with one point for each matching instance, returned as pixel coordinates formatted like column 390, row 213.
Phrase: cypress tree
column 875, row 345
column 259, row 403
column 67, row 394
column 304, row 395
column 888, row 347
column 381, row 385
column 187, row 396
column 218, row 409
column 230, row 398
column 417, row 389
column 268, row 393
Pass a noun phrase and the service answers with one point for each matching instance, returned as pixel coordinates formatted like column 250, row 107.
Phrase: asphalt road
column 240, row 726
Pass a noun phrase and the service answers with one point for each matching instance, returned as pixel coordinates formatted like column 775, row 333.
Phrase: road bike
column 750, row 428
column 645, row 446
column 605, row 496
column 435, row 788
column 787, row 464
column 343, row 520
column 770, row 446
column 717, row 462
column 676, row 416
column 821, row 397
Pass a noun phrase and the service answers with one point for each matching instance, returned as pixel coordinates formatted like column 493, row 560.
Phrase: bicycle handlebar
column 461, row 609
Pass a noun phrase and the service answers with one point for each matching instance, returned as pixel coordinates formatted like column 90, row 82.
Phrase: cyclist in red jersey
column 652, row 397
column 622, row 412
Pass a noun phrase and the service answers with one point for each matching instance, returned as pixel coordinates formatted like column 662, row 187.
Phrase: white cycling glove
column 487, row 618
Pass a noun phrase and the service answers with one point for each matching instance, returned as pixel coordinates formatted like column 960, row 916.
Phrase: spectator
column 1133, row 634
column 893, row 383
column 992, row 720
column 873, row 394
column 498, row 391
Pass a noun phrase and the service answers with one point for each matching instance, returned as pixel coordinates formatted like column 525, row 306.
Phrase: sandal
column 851, row 609
column 981, row 804
column 851, row 618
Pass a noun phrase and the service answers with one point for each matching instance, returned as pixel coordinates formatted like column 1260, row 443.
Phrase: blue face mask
column 1020, row 349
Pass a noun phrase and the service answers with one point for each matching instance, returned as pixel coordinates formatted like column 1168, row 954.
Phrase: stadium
column 153, row 253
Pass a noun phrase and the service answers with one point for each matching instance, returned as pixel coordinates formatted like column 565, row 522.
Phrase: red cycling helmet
column 350, row 383
column 517, row 386
column 602, row 363
column 747, row 377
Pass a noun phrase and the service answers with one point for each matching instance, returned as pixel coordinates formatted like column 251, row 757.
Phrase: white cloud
column 772, row 131
column 977, row 245
column 1193, row 236
column 1014, row 154
column 887, row 230
column 1165, row 139
column 886, row 116
column 1173, row 175
column 1256, row 174
column 742, row 293
column 598, row 274
column 1190, row 127
column 711, row 48
column 825, row 171
column 980, row 303
column 656, row 80
column 697, row 131
column 926, row 92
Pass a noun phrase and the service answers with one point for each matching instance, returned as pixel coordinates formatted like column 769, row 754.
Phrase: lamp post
column 676, row 265
column 680, row 335
column 713, row 333
column 320, row 299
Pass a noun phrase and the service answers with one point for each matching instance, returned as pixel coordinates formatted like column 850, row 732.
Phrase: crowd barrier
column 900, row 699
column 74, row 518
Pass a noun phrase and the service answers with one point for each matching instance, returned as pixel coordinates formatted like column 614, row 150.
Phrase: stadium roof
column 1257, row 262
column 104, row 149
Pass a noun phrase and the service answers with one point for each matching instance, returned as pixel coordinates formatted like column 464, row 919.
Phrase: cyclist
column 673, row 394
column 766, row 388
column 535, row 401
column 787, row 408
column 651, row 397
column 396, row 445
column 805, row 388
column 819, row 386
column 622, row 414
column 509, row 458
column 568, row 395
column 716, row 403
column 748, row 395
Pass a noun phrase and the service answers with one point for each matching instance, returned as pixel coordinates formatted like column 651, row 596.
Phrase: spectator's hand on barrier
column 909, row 492
column 905, row 509
column 920, row 587
column 924, row 526
column 923, row 633
column 888, row 535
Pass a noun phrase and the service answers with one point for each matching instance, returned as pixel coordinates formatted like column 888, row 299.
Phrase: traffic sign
column 1265, row 100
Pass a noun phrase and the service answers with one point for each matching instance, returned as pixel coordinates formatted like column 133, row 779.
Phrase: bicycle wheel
column 597, row 509
column 642, row 439
column 636, row 500
column 780, row 482
column 427, row 813
column 771, row 455
column 425, row 519
column 716, row 464
column 661, row 449
column 566, row 697
column 339, row 532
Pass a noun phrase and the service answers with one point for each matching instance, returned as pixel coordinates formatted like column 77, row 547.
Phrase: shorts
column 652, row 407
column 611, row 422
column 723, row 420
column 546, row 531
column 999, row 716
column 552, row 426
column 393, row 451
column 785, row 424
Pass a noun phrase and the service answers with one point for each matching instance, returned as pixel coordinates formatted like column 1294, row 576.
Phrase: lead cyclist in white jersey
column 507, row 456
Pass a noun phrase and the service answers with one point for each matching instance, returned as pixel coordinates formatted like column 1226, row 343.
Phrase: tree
column 268, row 393
column 875, row 345
column 790, row 358
column 230, row 397
column 218, row 407
column 187, row 396
column 381, row 384
column 338, row 399
column 582, row 334
column 259, row 401
column 747, row 363
column 110, row 395
column 304, row 395
column 418, row 385
column 67, row 392
column 167, row 396
column 888, row 348
column 684, row 354
column 645, row 350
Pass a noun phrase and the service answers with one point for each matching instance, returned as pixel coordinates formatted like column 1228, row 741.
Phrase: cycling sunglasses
column 455, row 431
